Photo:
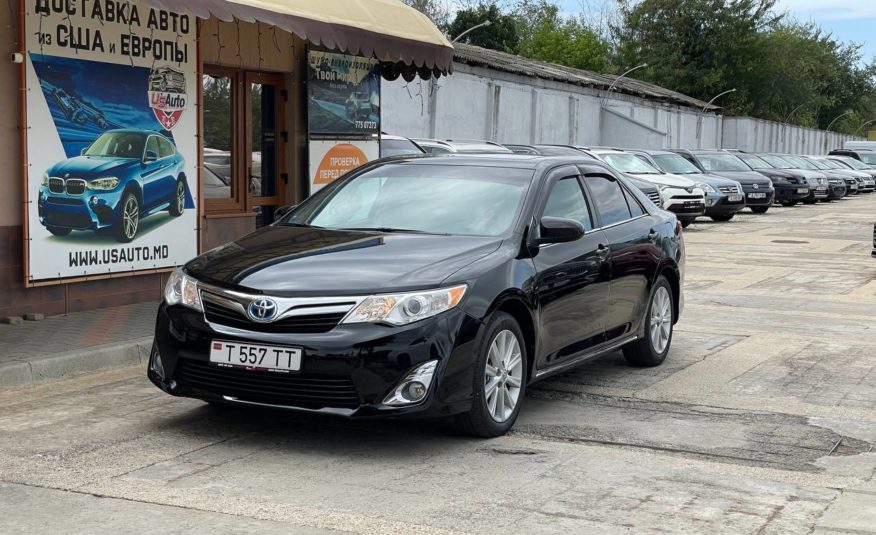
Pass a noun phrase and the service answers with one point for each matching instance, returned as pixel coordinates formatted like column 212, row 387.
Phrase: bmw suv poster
column 111, row 138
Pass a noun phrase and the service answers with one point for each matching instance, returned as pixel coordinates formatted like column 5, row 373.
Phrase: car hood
column 808, row 173
column 677, row 181
column 295, row 261
column 89, row 167
column 710, row 179
column 744, row 177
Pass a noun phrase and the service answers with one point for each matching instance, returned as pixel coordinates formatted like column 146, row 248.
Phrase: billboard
column 343, row 94
column 111, row 138
column 329, row 160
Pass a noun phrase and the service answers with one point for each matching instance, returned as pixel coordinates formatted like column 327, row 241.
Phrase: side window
column 567, row 200
column 636, row 209
column 152, row 146
column 639, row 156
column 166, row 148
column 609, row 198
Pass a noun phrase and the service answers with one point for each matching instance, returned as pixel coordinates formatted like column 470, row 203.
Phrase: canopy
column 385, row 29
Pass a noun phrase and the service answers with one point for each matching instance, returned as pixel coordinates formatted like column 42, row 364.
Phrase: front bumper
column 787, row 192
column 720, row 204
column 89, row 211
column 347, row 371
column 836, row 191
column 817, row 192
column 760, row 196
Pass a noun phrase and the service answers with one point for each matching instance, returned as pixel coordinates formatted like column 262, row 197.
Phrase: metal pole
column 858, row 131
column 473, row 28
column 827, row 130
column 700, row 115
column 610, row 89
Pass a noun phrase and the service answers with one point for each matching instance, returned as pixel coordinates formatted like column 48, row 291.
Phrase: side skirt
column 585, row 356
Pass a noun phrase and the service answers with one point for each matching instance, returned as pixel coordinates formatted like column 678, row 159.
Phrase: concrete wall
column 757, row 135
column 480, row 103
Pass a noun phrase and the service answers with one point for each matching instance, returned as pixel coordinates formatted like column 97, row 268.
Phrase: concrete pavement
column 762, row 420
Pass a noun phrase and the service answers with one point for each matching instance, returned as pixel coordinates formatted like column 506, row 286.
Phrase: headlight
column 401, row 309
column 779, row 179
column 45, row 181
column 104, row 184
column 705, row 187
column 182, row 290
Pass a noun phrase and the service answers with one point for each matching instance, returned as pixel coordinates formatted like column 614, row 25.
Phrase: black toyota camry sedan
column 428, row 287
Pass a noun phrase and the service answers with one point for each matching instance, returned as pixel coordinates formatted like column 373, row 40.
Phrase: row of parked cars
column 715, row 183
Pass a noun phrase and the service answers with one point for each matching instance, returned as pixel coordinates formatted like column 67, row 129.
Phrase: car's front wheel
column 651, row 350
column 499, row 379
column 723, row 217
column 59, row 231
column 760, row 209
column 129, row 221
column 178, row 203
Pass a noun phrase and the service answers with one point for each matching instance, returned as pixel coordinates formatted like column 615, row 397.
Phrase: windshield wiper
column 392, row 229
column 300, row 225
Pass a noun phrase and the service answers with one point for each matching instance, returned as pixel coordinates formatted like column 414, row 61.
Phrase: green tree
column 437, row 10
column 502, row 33
column 548, row 36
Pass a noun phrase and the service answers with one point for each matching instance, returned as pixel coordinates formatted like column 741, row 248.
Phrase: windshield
column 777, row 162
column 675, row 164
column 831, row 164
column 869, row 159
column 721, row 162
column 800, row 163
column 818, row 163
column 437, row 199
column 628, row 163
column 850, row 162
column 398, row 147
column 118, row 145
column 756, row 162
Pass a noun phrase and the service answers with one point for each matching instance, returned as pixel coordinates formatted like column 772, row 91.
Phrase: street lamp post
column 702, row 111
column 858, row 131
column 827, row 130
column 785, row 124
column 610, row 89
column 473, row 28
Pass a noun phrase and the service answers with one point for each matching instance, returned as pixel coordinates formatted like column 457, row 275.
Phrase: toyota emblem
column 755, row 186
column 262, row 310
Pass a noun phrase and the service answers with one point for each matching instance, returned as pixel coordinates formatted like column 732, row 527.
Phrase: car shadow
column 105, row 236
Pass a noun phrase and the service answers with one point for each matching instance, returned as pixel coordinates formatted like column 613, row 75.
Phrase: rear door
column 572, row 279
column 633, row 254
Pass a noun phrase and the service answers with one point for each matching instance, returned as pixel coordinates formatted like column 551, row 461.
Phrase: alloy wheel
column 661, row 320
column 504, row 376
column 180, row 197
column 131, row 217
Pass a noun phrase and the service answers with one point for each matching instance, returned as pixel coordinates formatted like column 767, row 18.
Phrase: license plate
column 255, row 357
column 734, row 198
column 822, row 188
column 692, row 204
column 803, row 190
column 757, row 195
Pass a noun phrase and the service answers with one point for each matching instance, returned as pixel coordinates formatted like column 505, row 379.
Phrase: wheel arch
column 515, row 304
column 670, row 271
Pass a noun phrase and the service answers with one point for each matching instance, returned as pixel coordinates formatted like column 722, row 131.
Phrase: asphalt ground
column 762, row 420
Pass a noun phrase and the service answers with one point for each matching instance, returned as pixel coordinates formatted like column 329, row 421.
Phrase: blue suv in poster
column 123, row 176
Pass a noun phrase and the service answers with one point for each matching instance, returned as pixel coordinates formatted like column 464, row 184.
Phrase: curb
column 28, row 372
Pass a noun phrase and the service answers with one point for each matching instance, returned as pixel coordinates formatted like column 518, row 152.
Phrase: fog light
column 414, row 387
column 155, row 364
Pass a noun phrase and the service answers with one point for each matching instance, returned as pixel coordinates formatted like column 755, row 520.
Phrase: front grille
column 75, row 186
column 687, row 197
column 313, row 323
column 64, row 201
column 654, row 196
column 56, row 185
column 307, row 391
column 728, row 189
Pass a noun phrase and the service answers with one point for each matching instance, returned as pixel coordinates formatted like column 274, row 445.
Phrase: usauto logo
column 262, row 310
column 167, row 95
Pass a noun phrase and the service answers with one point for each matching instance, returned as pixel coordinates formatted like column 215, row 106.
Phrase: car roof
column 652, row 152
column 520, row 161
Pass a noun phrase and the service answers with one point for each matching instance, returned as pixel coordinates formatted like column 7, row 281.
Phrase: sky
column 847, row 20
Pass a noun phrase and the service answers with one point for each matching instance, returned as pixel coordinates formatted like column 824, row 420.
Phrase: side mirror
column 283, row 211
column 150, row 156
column 559, row 230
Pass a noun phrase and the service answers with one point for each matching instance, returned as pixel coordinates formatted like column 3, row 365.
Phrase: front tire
column 810, row 201
column 178, row 203
column 499, row 379
column 788, row 204
column 722, row 218
column 685, row 223
column 760, row 209
column 651, row 350
column 129, row 223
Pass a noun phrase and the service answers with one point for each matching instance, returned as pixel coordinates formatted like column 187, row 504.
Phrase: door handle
column 652, row 235
column 602, row 249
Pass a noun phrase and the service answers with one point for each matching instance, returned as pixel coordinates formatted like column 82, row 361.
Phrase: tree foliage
column 502, row 33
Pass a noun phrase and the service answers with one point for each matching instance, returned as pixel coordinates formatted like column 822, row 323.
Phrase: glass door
column 264, row 145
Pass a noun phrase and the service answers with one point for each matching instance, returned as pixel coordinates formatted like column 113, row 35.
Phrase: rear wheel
column 58, row 231
column 499, row 380
column 788, row 204
column 651, row 350
column 760, row 209
column 810, row 201
column 722, row 218
column 178, row 203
